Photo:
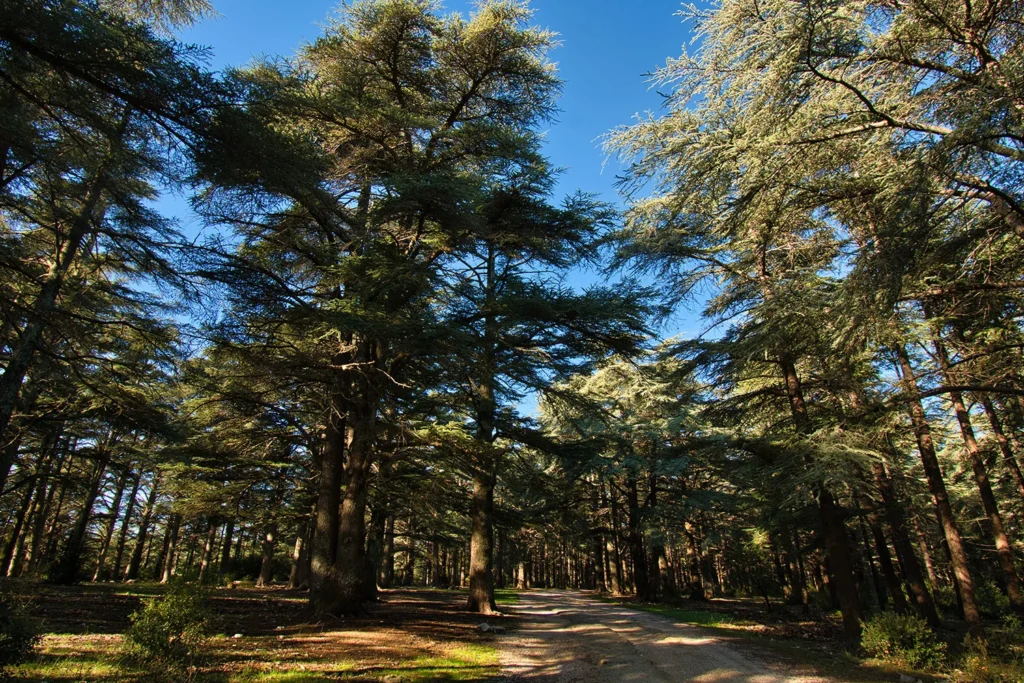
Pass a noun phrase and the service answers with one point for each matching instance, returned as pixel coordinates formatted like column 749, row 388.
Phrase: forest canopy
column 332, row 388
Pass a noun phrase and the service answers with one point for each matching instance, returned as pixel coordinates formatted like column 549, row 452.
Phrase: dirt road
column 570, row 637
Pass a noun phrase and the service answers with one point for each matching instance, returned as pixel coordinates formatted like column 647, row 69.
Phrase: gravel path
column 569, row 637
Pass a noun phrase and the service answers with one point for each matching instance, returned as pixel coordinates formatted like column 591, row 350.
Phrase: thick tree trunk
column 481, row 580
column 832, row 524
column 937, row 486
column 324, row 551
column 135, row 563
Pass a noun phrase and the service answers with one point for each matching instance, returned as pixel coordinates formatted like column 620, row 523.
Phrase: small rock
column 239, row 635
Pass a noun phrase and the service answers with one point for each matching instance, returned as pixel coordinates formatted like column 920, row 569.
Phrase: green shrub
column 168, row 634
column 904, row 640
column 17, row 632
column 991, row 600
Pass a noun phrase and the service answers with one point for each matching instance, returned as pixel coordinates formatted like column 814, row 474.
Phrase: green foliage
column 991, row 601
column 904, row 640
column 168, row 634
column 997, row 659
column 17, row 631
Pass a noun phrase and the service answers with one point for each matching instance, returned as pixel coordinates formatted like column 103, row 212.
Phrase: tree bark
column 324, row 552
column 135, row 563
column 66, row 571
column 225, row 551
column 122, row 536
column 904, row 547
column 169, row 554
column 108, row 533
column 937, row 486
column 988, row 499
column 1004, row 444
column 211, row 541
column 831, row 521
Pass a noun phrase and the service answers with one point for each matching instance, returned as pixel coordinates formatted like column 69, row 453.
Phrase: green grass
column 506, row 596
column 280, row 677
column 461, row 662
column 73, row 668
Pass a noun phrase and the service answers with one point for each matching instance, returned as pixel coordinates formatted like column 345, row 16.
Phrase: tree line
column 325, row 389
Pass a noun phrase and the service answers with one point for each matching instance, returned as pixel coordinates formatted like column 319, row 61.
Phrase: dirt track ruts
column 569, row 637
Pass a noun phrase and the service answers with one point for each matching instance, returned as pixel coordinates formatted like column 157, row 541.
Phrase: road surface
column 569, row 637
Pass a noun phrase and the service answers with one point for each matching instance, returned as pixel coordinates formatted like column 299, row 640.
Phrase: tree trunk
column 831, row 520
column 297, row 576
column 387, row 565
column 211, row 541
column 135, row 563
column 122, row 535
column 324, row 552
column 937, row 486
column 481, row 580
column 108, row 533
column 904, row 547
column 637, row 547
column 1004, row 444
column 170, row 551
column 225, row 551
column 66, row 571
column 269, row 545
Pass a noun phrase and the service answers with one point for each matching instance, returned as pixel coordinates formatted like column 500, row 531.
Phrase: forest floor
column 419, row 635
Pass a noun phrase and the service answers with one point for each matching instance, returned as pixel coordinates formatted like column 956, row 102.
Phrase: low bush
column 997, row 659
column 904, row 640
column 167, row 635
column 17, row 631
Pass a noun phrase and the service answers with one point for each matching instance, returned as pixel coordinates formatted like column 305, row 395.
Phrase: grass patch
column 76, row 668
column 460, row 662
column 506, row 596
column 280, row 677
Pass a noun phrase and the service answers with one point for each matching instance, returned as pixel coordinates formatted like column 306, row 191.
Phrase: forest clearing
column 387, row 342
